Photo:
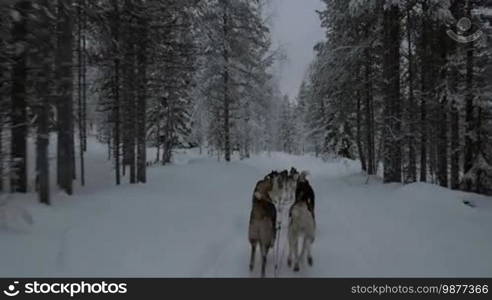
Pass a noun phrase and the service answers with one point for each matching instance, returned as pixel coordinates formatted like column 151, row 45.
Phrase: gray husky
column 302, row 224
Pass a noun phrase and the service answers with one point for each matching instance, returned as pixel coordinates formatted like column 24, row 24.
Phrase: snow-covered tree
column 235, row 79
column 391, row 81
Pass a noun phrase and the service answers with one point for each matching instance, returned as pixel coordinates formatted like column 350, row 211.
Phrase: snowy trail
column 191, row 220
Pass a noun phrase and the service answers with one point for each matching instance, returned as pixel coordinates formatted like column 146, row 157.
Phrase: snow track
column 191, row 220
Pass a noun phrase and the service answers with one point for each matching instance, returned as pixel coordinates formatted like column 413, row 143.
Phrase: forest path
column 191, row 220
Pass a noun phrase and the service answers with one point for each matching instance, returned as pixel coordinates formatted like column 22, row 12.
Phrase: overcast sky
column 296, row 28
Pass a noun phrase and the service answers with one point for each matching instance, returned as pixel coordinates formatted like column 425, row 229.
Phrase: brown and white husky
column 263, row 220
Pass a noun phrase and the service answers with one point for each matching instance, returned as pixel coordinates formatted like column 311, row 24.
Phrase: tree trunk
column 81, row 95
column 43, row 77
column 470, row 109
column 83, row 67
column 110, row 137
column 443, row 111
column 425, row 50
column 19, row 101
column 412, row 141
column 158, row 141
column 42, row 150
column 4, row 85
column 455, row 146
column 442, row 151
column 116, row 92
column 167, row 150
column 142, row 106
column 130, row 119
column 371, row 168
column 392, row 157
column 360, row 147
column 457, row 10
column 129, row 90
column 227, row 112
column 64, row 76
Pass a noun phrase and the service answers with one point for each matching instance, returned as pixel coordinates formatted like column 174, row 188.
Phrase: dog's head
column 264, row 187
column 271, row 186
column 282, row 179
column 293, row 176
column 276, row 179
column 272, row 175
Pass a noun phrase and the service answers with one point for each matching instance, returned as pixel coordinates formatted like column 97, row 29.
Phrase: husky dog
column 263, row 220
column 302, row 223
column 293, row 178
column 305, row 191
column 276, row 192
column 287, row 183
column 284, row 177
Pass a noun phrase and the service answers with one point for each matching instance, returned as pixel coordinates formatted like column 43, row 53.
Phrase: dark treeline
column 132, row 73
column 390, row 87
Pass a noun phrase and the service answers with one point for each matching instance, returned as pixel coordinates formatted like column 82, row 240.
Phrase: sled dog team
column 275, row 188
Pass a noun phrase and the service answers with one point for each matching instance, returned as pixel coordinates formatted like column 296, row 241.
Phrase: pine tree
column 64, row 102
column 19, row 98
column 427, row 81
column 236, row 70
column 392, row 101
column 43, row 76
column 4, row 88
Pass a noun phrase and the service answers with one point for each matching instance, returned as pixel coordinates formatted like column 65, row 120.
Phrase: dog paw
column 310, row 261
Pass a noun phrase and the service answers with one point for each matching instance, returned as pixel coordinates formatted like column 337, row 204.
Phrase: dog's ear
column 294, row 174
column 304, row 176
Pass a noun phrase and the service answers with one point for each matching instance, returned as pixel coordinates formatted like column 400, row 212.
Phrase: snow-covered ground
column 191, row 220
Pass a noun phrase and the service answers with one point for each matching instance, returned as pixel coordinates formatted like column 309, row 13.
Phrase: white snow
column 191, row 220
